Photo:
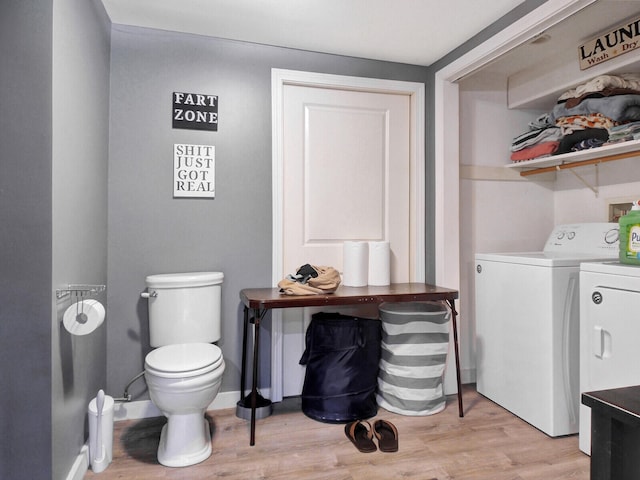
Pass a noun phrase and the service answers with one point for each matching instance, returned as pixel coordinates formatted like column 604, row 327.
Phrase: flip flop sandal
column 387, row 435
column 359, row 432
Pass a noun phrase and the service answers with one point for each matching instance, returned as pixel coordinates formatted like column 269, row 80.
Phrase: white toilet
column 184, row 372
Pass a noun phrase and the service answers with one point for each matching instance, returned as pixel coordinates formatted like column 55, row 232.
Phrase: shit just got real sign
column 193, row 170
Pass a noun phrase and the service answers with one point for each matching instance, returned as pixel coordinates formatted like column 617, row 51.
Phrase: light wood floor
column 489, row 443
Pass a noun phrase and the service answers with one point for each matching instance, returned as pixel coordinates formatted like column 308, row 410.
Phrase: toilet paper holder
column 79, row 290
column 85, row 314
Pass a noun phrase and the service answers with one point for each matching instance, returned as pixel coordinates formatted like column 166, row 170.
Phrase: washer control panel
column 596, row 238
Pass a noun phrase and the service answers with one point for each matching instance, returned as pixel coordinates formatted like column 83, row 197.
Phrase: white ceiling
column 416, row 32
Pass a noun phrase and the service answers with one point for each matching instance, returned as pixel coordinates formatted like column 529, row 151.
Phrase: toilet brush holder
column 100, row 432
column 264, row 407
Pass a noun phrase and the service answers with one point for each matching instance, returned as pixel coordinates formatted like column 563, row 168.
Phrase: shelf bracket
column 581, row 163
column 593, row 188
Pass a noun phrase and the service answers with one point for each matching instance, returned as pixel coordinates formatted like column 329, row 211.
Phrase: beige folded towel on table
column 315, row 280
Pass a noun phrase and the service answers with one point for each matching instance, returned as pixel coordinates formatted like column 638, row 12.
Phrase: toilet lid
column 183, row 357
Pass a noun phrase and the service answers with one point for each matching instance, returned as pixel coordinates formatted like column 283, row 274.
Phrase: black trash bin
column 342, row 355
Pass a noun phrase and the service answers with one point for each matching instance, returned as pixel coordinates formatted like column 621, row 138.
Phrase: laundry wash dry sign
column 194, row 171
column 623, row 39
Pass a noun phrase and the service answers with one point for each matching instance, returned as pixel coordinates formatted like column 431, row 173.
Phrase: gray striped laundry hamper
column 415, row 342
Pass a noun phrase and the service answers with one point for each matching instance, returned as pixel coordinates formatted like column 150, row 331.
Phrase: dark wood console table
column 615, row 433
column 257, row 301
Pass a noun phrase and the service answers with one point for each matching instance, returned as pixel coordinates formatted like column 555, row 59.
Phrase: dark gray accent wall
column 54, row 108
column 80, row 153
column 150, row 231
column 25, row 253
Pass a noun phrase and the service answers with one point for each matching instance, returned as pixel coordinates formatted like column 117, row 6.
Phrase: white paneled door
column 346, row 174
column 346, row 159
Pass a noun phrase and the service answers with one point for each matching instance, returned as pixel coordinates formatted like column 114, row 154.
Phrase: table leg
column 457, row 354
column 257, row 316
column 243, row 371
column 603, row 446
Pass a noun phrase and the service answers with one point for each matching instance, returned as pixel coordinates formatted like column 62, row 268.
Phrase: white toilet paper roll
column 83, row 317
column 379, row 263
column 355, row 260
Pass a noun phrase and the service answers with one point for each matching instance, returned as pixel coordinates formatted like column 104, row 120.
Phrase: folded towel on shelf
column 587, row 144
column 540, row 150
column 534, row 137
column 601, row 82
column 568, row 141
column 607, row 92
column 574, row 123
column 619, row 108
column 541, row 122
column 625, row 131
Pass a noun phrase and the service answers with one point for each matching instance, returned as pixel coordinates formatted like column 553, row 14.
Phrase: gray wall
column 151, row 232
column 79, row 158
column 25, row 256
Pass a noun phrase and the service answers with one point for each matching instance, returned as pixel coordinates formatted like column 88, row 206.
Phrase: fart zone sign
column 195, row 111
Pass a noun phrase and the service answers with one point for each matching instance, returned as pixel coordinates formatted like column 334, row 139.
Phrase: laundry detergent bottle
column 630, row 235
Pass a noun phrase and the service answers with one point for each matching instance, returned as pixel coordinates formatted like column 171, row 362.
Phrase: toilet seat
column 183, row 360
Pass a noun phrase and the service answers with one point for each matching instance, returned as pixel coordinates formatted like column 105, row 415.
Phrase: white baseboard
column 468, row 375
column 81, row 465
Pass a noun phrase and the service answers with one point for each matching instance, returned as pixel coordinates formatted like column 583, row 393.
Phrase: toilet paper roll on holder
column 79, row 322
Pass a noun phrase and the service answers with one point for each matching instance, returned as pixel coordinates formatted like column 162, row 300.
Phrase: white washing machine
column 528, row 325
column 609, row 332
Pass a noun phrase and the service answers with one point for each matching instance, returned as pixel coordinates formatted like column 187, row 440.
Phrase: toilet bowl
column 183, row 380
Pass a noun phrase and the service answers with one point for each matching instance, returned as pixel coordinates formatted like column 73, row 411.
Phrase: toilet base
column 191, row 445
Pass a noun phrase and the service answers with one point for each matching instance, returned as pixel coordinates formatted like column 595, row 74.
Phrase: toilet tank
column 184, row 307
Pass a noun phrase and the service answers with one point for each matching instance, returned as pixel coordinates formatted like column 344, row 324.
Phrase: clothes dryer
column 609, row 332
column 527, row 325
